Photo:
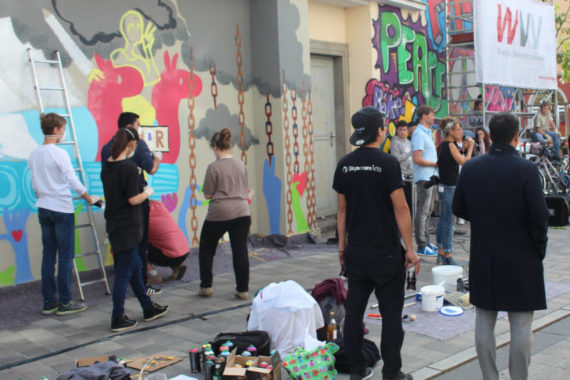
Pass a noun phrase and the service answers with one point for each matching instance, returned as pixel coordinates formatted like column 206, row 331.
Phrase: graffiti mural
column 151, row 57
column 411, row 63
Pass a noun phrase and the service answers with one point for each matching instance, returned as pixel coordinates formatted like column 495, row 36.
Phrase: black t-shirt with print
column 367, row 177
column 124, row 222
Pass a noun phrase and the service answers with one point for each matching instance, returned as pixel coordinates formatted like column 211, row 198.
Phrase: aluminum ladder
column 90, row 225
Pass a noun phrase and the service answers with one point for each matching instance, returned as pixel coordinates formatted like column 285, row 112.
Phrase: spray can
column 218, row 372
column 194, row 360
column 252, row 350
column 208, row 370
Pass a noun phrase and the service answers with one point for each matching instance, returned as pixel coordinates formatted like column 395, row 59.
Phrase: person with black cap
column 372, row 214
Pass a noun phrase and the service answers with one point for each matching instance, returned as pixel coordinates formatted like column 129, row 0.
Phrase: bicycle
column 554, row 175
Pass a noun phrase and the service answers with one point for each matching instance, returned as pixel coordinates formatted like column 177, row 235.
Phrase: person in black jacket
column 500, row 194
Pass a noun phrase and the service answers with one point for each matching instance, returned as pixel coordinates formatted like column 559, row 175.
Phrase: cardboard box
column 152, row 363
column 237, row 373
column 253, row 372
column 86, row 362
column 257, row 373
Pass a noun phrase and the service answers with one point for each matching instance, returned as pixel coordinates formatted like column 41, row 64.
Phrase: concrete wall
column 138, row 56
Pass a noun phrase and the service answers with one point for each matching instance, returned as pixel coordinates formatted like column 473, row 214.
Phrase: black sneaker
column 368, row 373
column 399, row 376
column 70, row 308
column 156, row 311
column 122, row 323
column 50, row 308
column 150, row 291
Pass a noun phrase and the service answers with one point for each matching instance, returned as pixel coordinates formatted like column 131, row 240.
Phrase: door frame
column 339, row 53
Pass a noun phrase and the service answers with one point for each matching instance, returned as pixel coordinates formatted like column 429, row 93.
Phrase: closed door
column 324, row 133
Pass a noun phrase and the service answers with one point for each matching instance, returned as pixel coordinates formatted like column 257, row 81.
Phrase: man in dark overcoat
column 500, row 194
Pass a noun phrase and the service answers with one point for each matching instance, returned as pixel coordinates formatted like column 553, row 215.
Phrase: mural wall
column 188, row 68
column 410, row 62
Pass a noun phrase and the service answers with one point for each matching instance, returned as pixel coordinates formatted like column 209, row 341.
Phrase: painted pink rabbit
column 166, row 96
column 105, row 96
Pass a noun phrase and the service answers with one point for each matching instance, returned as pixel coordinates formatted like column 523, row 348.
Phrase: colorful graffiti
column 16, row 234
column 142, row 60
column 411, row 67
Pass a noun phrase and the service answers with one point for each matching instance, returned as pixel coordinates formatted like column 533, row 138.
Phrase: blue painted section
column 272, row 192
column 16, row 234
column 85, row 129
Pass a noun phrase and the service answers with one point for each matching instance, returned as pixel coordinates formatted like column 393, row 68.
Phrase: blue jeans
column 445, row 227
column 128, row 269
column 555, row 140
column 58, row 240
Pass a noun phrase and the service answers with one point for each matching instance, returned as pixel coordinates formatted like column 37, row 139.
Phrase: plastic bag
column 289, row 314
column 318, row 363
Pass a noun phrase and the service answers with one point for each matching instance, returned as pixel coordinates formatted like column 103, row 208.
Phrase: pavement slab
column 48, row 345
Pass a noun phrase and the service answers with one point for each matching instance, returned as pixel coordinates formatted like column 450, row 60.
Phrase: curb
column 447, row 364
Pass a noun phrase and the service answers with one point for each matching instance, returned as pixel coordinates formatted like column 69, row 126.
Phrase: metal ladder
column 62, row 88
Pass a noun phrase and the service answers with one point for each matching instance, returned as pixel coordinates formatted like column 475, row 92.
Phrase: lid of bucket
column 451, row 311
column 432, row 290
column 447, row 269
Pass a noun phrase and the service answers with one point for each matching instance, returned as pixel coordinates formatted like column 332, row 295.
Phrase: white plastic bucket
column 432, row 297
column 447, row 274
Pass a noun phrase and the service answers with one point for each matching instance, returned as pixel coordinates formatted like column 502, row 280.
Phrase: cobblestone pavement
column 48, row 346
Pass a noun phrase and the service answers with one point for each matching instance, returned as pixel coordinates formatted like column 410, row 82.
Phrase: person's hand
column 96, row 201
column 157, row 155
column 412, row 260
column 469, row 141
column 149, row 190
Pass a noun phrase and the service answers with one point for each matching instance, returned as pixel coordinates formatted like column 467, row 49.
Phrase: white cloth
column 52, row 178
column 289, row 314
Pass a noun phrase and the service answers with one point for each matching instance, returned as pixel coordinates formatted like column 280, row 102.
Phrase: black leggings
column 212, row 232
column 156, row 257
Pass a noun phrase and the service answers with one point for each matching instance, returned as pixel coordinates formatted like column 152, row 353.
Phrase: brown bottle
column 331, row 328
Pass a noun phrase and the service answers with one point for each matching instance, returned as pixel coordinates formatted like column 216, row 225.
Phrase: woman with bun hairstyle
column 449, row 158
column 226, row 186
column 124, row 193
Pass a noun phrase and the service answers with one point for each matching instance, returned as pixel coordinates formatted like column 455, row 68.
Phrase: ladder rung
column 85, row 254
column 77, row 226
column 92, row 282
column 68, row 142
column 51, row 88
column 50, row 61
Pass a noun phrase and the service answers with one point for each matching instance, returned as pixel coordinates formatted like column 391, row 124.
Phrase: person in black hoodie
column 123, row 194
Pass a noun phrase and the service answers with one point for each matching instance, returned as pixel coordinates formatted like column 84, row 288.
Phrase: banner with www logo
column 515, row 43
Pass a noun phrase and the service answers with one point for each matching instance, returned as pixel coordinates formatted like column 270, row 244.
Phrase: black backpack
column 369, row 351
column 242, row 340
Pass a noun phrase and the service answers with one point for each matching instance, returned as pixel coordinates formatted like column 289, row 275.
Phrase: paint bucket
column 432, row 297
column 448, row 274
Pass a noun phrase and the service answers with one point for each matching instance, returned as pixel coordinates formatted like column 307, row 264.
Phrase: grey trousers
column 424, row 201
column 519, row 350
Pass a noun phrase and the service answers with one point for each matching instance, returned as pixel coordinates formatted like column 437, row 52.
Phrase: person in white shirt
column 53, row 177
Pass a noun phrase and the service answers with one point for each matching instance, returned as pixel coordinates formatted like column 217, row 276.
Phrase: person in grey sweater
column 401, row 148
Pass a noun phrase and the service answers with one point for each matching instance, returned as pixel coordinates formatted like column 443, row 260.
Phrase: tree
column 562, row 19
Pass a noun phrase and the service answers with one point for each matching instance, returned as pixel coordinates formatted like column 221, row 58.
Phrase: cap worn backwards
column 366, row 122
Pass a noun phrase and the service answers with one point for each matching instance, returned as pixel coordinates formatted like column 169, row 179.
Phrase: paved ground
column 47, row 346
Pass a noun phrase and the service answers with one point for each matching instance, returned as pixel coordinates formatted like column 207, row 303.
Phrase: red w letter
column 502, row 24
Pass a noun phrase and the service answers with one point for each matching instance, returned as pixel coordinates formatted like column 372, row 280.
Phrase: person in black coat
column 500, row 194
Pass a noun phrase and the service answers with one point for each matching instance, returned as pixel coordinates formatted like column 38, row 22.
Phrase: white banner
column 515, row 43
